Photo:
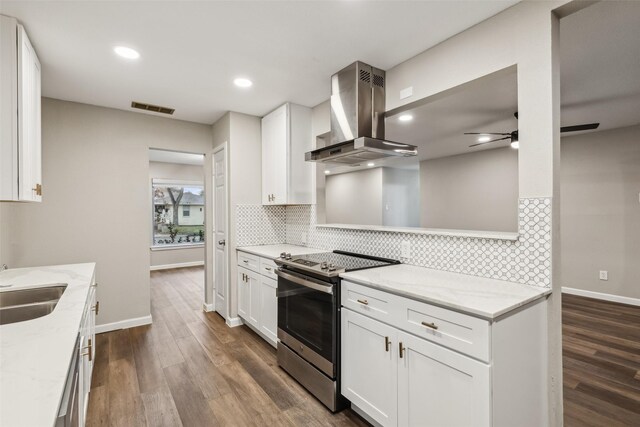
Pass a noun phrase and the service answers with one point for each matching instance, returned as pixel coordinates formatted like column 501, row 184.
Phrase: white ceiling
column 192, row 51
column 167, row 156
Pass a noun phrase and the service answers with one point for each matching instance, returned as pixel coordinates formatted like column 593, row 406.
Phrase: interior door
column 220, row 283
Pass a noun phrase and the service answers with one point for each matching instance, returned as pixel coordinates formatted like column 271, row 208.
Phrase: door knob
column 222, row 242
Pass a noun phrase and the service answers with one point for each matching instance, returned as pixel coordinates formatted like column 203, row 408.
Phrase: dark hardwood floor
column 190, row 369
column 601, row 361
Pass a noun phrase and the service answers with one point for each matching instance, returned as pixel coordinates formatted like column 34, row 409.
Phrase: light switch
column 405, row 249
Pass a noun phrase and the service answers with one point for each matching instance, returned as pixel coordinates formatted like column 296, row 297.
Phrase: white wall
column 475, row 191
column 181, row 172
column 600, row 211
column 354, row 197
column 95, row 166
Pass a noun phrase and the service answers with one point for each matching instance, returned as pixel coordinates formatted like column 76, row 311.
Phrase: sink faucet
column 4, row 267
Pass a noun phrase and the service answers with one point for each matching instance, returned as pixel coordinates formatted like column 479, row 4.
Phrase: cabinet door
column 275, row 140
column 269, row 309
column 29, row 143
column 244, row 303
column 439, row 387
column 87, row 354
column 369, row 366
column 254, row 298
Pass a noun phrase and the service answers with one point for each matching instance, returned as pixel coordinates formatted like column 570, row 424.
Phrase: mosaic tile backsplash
column 527, row 260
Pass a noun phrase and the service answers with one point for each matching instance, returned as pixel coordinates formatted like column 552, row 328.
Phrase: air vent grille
column 378, row 80
column 365, row 76
column 154, row 108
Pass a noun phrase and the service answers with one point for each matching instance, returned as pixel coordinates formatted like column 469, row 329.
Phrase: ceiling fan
column 513, row 136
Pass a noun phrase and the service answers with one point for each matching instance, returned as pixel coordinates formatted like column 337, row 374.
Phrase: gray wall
column 354, row 197
column 600, row 211
column 180, row 172
column 95, row 167
column 400, row 197
column 475, row 191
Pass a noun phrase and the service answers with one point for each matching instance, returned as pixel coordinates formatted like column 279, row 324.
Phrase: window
column 178, row 214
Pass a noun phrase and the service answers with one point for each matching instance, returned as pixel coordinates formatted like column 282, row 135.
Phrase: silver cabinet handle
column 363, row 301
column 430, row 325
column 387, row 343
column 268, row 268
column 246, row 261
column 401, row 349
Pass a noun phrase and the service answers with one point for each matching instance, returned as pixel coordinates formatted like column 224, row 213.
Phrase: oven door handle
column 328, row 289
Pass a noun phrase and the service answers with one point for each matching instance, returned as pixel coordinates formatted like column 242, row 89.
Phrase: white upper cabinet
column 20, row 112
column 286, row 136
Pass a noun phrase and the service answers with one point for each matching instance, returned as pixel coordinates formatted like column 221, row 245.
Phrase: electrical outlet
column 604, row 275
column 405, row 249
column 303, row 238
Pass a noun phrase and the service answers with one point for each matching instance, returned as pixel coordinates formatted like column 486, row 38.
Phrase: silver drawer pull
column 268, row 268
column 246, row 261
column 363, row 301
column 430, row 325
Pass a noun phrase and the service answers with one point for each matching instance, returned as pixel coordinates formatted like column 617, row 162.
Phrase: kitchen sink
column 27, row 304
column 20, row 313
column 30, row 296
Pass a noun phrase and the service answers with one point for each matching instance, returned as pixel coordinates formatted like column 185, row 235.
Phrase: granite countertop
column 35, row 355
column 477, row 296
column 274, row 251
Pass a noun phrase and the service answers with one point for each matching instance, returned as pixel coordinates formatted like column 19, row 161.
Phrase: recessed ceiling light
column 405, row 118
column 242, row 82
column 327, row 172
column 484, row 138
column 371, row 164
column 126, row 52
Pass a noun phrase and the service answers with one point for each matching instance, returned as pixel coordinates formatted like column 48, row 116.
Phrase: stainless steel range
column 309, row 318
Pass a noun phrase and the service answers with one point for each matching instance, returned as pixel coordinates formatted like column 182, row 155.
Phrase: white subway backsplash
column 527, row 260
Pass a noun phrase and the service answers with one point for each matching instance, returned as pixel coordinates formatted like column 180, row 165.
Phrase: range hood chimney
column 357, row 119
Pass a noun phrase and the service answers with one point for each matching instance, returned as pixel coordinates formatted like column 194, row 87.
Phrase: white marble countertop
column 274, row 251
column 35, row 355
column 478, row 296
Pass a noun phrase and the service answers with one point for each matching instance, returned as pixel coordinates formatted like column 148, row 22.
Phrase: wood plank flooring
column 601, row 362
column 190, row 369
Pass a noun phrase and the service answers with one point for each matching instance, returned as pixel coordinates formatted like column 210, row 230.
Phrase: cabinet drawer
column 268, row 268
column 370, row 302
column 251, row 262
column 466, row 334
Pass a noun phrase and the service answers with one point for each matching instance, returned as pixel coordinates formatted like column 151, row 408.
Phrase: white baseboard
column 123, row 324
column 232, row 322
column 207, row 307
column 179, row 265
column 602, row 296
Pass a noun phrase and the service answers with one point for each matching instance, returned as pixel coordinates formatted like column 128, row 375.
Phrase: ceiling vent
column 154, row 108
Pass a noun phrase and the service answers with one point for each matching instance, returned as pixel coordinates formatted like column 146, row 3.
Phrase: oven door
column 307, row 315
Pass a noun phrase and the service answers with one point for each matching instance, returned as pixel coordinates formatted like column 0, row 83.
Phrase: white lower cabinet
column 411, row 363
column 269, row 308
column 87, row 351
column 257, row 300
column 369, row 366
column 439, row 387
column 249, row 295
column 398, row 379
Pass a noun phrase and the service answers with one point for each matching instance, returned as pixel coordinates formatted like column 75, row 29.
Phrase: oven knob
column 288, row 256
column 332, row 267
column 324, row 265
column 283, row 255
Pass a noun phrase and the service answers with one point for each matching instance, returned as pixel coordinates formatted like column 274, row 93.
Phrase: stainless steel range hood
column 357, row 119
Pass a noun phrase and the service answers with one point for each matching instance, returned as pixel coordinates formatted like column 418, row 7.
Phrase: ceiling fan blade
column 487, row 133
column 489, row 142
column 576, row 128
